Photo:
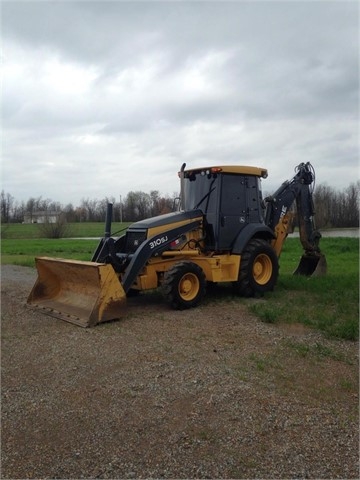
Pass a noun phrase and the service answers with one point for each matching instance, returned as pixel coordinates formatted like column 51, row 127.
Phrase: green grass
column 22, row 242
column 81, row 230
column 329, row 303
column 23, row 252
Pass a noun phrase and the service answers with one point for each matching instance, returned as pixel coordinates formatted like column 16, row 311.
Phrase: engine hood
column 166, row 219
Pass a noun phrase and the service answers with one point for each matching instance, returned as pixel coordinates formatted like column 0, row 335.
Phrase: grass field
column 329, row 303
column 78, row 230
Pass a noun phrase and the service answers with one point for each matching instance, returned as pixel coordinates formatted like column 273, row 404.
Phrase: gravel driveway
column 207, row 393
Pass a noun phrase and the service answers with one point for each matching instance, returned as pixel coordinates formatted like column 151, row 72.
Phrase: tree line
column 135, row 206
column 337, row 209
column 334, row 209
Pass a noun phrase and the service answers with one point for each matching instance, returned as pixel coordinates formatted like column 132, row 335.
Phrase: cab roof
column 234, row 169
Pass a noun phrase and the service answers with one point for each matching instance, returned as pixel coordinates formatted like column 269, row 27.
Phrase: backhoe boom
column 279, row 217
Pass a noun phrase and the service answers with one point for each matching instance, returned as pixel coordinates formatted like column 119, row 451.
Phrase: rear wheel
column 184, row 285
column 259, row 269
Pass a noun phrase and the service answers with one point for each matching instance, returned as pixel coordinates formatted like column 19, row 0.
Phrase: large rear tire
column 184, row 285
column 259, row 269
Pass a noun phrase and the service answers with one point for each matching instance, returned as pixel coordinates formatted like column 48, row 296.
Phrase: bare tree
column 90, row 208
column 337, row 209
column 131, row 212
column 352, row 204
column 18, row 212
column 102, row 207
column 333, row 208
column 6, row 203
column 70, row 213
column 57, row 229
column 323, row 196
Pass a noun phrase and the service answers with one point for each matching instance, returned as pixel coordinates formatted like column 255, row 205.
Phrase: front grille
column 134, row 239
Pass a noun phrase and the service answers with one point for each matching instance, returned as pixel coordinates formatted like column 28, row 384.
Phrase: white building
column 42, row 217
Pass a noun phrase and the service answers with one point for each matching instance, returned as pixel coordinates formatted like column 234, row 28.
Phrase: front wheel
column 259, row 269
column 184, row 285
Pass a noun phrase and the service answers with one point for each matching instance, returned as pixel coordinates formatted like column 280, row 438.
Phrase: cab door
column 239, row 206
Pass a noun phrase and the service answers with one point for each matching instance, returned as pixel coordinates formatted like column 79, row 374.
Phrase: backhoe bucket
column 312, row 265
column 84, row 293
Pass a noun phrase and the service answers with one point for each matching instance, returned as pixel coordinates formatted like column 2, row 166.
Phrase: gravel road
column 207, row 393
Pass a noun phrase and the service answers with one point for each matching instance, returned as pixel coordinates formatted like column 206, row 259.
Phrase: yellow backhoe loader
column 224, row 231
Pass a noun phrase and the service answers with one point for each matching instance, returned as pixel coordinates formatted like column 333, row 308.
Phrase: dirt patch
column 206, row 393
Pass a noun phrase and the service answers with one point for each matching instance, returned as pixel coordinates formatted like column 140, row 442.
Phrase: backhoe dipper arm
column 279, row 217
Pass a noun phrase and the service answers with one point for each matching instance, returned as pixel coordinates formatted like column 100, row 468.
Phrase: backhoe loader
column 223, row 231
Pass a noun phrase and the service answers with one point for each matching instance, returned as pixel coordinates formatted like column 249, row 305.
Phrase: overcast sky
column 101, row 98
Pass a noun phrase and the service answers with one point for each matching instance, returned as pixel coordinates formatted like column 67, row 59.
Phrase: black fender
column 258, row 230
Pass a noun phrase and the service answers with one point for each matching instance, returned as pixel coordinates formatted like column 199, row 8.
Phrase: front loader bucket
column 312, row 265
column 84, row 293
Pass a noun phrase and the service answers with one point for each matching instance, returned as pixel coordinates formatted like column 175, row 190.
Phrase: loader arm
column 279, row 218
column 153, row 247
column 109, row 250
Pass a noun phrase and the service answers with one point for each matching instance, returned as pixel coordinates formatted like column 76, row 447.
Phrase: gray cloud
column 100, row 98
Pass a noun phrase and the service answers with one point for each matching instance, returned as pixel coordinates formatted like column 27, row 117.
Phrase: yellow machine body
column 217, row 268
column 224, row 232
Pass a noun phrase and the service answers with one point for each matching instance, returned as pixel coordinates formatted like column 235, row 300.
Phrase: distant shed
column 42, row 217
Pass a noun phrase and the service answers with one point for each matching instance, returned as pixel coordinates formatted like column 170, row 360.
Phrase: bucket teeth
column 83, row 293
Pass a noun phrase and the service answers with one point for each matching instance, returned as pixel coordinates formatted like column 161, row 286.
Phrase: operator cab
column 230, row 198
